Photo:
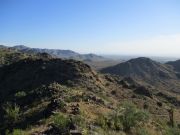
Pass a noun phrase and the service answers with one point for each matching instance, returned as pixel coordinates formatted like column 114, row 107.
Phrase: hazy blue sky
column 144, row 27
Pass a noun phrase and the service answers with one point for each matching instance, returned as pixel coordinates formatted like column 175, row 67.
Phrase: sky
column 119, row 27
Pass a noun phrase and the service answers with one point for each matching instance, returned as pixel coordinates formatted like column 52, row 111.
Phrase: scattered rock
column 75, row 109
column 94, row 99
column 159, row 104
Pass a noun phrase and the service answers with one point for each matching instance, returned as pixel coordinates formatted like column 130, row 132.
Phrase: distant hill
column 141, row 67
column 175, row 65
column 98, row 65
column 54, row 52
column 145, row 70
column 67, row 54
column 2, row 46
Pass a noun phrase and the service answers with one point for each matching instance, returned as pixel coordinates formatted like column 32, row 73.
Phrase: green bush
column 142, row 131
column 20, row 94
column 102, row 122
column 79, row 120
column 115, row 122
column 61, row 122
column 112, row 122
column 85, row 131
column 16, row 132
column 172, row 131
column 12, row 112
column 130, row 116
column 124, row 118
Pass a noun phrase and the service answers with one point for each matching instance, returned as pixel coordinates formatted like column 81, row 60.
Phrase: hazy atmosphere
column 119, row 27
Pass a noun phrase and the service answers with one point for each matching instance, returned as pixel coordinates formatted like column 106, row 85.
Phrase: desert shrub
column 79, row 120
column 115, row 122
column 62, row 104
column 20, row 94
column 58, row 103
column 127, row 116
column 172, row 131
column 102, row 121
column 12, row 112
column 61, row 121
column 69, row 99
column 142, row 131
column 16, row 132
column 85, row 131
column 124, row 118
column 130, row 116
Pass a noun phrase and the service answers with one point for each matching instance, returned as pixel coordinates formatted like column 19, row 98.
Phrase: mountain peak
column 142, row 69
column 141, row 60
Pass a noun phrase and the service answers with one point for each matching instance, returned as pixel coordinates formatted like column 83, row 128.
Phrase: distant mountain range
column 2, row 46
column 67, row 54
column 95, row 61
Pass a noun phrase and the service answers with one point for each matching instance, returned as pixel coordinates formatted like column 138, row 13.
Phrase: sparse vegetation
column 172, row 131
column 79, row 121
column 130, row 116
column 12, row 112
column 41, row 101
column 20, row 94
column 124, row 118
column 142, row 131
column 102, row 122
column 61, row 122
column 16, row 132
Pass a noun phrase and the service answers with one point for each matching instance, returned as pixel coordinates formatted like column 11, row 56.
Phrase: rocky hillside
column 175, row 65
column 36, row 80
column 141, row 67
column 31, row 73
column 8, row 56
column 146, row 71
column 45, row 95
